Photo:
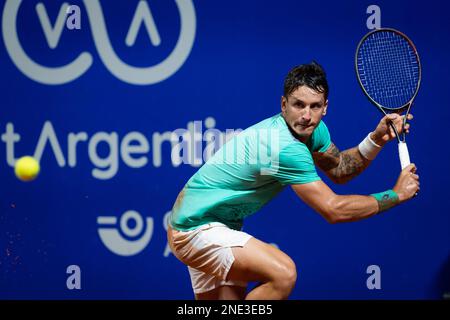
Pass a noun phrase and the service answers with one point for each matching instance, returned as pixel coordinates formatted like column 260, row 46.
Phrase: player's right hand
column 407, row 184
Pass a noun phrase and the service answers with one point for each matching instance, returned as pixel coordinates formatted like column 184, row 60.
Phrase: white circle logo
column 121, row 70
column 131, row 232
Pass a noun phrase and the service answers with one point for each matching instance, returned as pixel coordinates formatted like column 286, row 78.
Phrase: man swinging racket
column 204, row 227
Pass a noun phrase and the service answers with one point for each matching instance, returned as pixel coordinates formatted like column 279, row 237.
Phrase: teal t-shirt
column 246, row 173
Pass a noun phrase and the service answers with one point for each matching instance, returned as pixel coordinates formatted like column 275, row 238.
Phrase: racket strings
column 388, row 69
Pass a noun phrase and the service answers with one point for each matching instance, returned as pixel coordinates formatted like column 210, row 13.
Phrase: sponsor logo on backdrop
column 123, row 238
column 78, row 67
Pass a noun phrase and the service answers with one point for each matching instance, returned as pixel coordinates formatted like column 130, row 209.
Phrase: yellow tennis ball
column 27, row 168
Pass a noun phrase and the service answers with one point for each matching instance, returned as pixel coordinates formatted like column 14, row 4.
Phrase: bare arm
column 346, row 208
column 336, row 208
column 343, row 166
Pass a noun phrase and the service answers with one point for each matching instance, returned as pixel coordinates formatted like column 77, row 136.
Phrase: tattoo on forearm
column 351, row 164
column 329, row 159
column 341, row 166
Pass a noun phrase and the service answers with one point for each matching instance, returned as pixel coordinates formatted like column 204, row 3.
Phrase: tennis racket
column 388, row 69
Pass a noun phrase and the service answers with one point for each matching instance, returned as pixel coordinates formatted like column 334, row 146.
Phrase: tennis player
column 206, row 220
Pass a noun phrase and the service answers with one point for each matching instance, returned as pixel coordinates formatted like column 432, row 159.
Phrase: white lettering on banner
column 132, row 148
column 121, row 70
column 72, row 140
column 110, row 163
column 127, row 149
column 9, row 137
column 48, row 134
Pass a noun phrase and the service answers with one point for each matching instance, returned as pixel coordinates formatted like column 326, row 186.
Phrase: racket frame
column 402, row 147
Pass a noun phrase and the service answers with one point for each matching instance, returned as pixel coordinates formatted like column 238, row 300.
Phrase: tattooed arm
column 341, row 167
column 346, row 208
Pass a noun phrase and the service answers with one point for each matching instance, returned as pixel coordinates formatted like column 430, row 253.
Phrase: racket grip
column 403, row 154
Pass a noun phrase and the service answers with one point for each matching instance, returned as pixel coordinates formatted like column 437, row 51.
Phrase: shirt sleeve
column 294, row 166
column 322, row 139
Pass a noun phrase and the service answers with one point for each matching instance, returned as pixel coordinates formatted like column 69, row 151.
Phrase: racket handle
column 403, row 154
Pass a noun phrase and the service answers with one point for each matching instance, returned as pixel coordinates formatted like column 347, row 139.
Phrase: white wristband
column 368, row 148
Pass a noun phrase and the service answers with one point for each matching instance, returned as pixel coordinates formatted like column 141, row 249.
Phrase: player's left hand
column 384, row 133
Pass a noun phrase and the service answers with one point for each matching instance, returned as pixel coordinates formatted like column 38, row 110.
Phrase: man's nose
column 306, row 114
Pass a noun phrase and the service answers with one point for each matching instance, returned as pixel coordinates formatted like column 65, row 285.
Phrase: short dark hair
column 311, row 75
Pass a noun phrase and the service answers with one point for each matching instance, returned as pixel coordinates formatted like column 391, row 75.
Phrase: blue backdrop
column 97, row 106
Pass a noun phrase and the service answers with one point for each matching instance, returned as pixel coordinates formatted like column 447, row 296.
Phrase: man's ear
column 324, row 112
column 283, row 104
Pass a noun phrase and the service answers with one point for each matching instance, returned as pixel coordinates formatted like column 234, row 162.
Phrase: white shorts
column 207, row 253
